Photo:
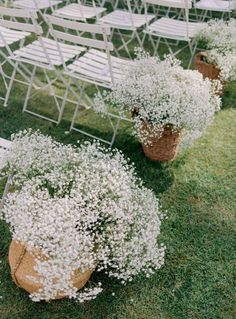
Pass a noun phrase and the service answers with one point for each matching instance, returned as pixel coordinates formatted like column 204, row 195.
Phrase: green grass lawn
column 198, row 190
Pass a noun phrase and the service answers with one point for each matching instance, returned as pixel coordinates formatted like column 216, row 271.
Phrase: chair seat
column 216, row 5
column 78, row 12
column 93, row 67
column 11, row 36
column 35, row 54
column 174, row 29
column 124, row 20
column 39, row 4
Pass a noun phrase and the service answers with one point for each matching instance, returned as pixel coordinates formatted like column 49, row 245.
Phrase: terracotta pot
column 164, row 148
column 208, row 70
column 22, row 264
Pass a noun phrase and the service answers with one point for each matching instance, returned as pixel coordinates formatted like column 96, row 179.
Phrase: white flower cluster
column 218, row 37
column 95, row 215
column 88, row 294
column 163, row 93
column 34, row 154
column 226, row 63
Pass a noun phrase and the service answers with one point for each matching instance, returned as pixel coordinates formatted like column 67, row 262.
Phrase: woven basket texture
column 22, row 264
column 164, row 148
column 208, row 70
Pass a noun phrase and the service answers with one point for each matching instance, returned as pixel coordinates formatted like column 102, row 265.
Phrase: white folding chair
column 47, row 55
column 122, row 21
column 8, row 37
column 96, row 67
column 5, row 146
column 11, row 37
column 39, row 5
column 208, row 8
column 173, row 29
column 79, row 12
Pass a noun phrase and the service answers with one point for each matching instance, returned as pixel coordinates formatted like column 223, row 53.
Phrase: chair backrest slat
column 30, row 16
column 98, row 44
column 18, row 13
column 27, row 27
column 78, row 26
column 81, row 37
column 181, row 4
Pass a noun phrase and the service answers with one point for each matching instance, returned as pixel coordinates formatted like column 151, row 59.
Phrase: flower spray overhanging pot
column 22, row 263
column 208, row 70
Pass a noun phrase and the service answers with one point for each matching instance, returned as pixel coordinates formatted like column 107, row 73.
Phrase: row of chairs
column 130, row 21
column 205, row 5
column 86, row 9
column 76, row 59
column 73, row 59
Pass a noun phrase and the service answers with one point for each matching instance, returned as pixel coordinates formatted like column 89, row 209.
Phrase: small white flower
column 84, row 208
column 218, row 37
column 162, row 93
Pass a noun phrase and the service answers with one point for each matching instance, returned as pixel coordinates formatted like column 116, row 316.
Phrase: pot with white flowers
column 73, row 211
column 169, row 105
column 218, row 60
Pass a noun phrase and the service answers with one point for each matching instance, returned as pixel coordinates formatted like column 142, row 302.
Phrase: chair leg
column 154, row 45
column 192, row 49
column 29, row 89
column 10, row 84
column 109, row 115
column 3, row 77
column 65, row 97
column 48, row 85
column 5, row 192
column 115, row 129
column 72, row 126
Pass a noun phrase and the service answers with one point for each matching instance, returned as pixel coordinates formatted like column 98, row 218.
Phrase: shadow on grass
column 229, row 97
column 157, row 176
column 196, row 277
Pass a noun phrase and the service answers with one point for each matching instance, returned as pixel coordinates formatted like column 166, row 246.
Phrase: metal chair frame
column 82, row 71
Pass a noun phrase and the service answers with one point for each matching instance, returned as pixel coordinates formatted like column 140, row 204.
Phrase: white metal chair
column 171, row 29
column 208, row 7
column 79, row 12
column 44, row 54
column 126, row 20
column 96, row 67
column 11, row 37
column 8, row 37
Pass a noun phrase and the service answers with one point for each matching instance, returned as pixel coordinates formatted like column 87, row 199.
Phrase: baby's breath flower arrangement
column 218, row 38
column 162, row 93
column 83, row 208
